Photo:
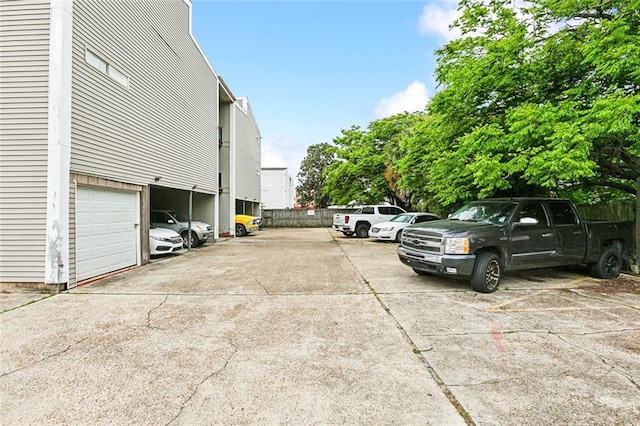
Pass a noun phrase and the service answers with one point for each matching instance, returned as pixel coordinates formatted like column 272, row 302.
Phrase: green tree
column 312, row 175
column 366, row 171
column 357, row 176
column 541, row 98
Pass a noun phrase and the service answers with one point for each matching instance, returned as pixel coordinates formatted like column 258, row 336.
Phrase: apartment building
column 109, row 109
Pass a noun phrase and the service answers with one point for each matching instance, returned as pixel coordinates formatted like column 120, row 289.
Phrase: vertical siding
column 248, row 158
column 24, row 58
column 165, row 123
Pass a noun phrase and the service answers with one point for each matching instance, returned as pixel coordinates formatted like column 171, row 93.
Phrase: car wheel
column 609, row 264
column 194, row 239
column 487, row 272
column 241, row 231
column 398, row 236
column 362, row 230
column 419, row 272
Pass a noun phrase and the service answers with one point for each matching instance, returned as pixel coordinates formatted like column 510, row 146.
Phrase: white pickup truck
column 363, row 218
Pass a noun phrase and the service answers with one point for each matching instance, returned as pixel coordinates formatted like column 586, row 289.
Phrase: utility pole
column 189, row 239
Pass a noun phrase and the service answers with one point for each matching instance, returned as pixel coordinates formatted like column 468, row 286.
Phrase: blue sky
column 313, row 68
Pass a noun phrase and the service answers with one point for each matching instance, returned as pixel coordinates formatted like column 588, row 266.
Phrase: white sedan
column 163, row 241
column 391, row 231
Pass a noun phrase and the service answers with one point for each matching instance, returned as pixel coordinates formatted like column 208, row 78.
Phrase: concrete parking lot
column 305, row 326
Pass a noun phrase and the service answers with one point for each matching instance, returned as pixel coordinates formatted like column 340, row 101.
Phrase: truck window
column 365, row 210
column 425, row 218
column 395, row 210
column 562, row 213
column 384, row 210
column 159, row 217
column 536, row 211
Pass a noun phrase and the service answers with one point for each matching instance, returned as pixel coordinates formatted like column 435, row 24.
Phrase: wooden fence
column 319, row 218
column 288, row 218
column 623, row 210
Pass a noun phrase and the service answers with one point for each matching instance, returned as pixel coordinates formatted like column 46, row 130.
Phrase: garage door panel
column 106, row 231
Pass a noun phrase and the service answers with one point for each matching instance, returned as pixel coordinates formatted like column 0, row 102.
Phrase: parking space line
column 500, row 307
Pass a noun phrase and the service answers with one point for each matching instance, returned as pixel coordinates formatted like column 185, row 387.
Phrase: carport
column 202, row 205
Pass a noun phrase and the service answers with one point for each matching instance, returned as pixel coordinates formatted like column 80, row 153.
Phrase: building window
column 96, row 62
column 106, row 68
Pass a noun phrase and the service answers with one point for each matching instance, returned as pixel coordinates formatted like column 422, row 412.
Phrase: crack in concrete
column 206, row 378
column 555, row 333
column 148, row 322
column 558, row 335
column 604, row 360
column 46, row 358
column 31, row 302
column 262, row 286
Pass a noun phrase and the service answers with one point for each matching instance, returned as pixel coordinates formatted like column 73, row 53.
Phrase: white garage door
column 106, row 231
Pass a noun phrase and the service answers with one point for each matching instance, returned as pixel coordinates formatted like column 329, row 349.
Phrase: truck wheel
column 486, row 272
column 362, row 230
column 609, row 264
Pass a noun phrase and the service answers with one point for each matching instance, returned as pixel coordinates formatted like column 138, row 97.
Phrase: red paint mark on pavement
column 497, row 336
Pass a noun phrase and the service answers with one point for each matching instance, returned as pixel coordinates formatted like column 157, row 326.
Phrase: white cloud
column 413, row 98
column 437, row 17
column 271, row 154
column 283, row 153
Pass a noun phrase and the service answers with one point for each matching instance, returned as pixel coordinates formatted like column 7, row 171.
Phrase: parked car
column 164, row 241
column 246, row 224
column 359, row 222
column 484, row 238
column 200, row 231
column 392, row 230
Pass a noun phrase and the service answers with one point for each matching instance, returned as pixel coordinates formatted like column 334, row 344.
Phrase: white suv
column 200, row 231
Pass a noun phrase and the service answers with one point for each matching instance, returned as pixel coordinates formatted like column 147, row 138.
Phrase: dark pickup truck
column 484, row 238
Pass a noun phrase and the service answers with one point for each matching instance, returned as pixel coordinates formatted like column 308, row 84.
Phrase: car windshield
column 404, row 218
column 178, row 217
column 490, row 212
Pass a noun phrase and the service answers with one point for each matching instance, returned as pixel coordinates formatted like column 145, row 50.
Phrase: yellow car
column 246, row 224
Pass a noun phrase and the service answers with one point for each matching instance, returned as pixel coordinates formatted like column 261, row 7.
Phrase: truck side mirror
column 527, row 221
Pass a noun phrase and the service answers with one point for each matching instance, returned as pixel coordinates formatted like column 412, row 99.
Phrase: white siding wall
column 165, row 122
column 24, row 56
column 277, row 189
column 248, row 156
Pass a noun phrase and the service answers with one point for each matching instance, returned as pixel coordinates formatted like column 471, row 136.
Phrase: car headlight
column 160, row 238
column 456, row 246
column 387, row 228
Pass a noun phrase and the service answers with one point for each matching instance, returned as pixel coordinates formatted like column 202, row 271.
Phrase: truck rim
column 492, row 274
column 611, row 264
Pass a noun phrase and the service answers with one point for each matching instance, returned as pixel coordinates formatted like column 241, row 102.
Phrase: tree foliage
column 312, row 175
column 366, row 168
column 536, row 99
column 539, row 97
